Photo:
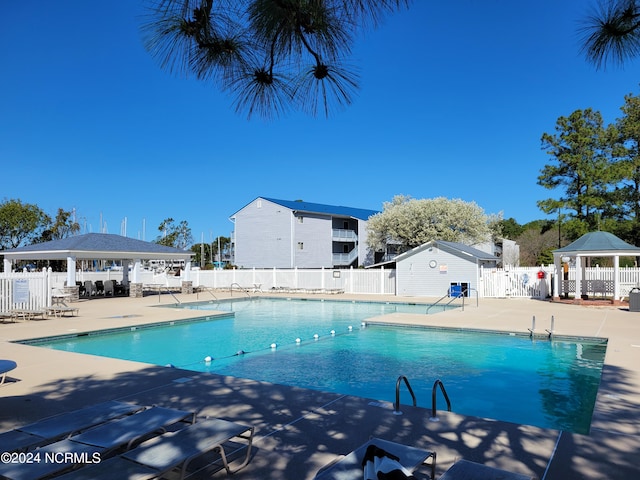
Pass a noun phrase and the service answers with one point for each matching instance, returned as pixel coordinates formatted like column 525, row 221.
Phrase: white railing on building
column 342, row 235
column 345, row 259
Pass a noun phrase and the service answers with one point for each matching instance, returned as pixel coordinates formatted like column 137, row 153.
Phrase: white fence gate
column 516, row 282
column 537, row 282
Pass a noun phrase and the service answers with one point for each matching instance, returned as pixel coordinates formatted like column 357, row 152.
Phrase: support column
column 578, row 293
column 557, row 263
column 71, row 271
column 187, row 287
column 135, row 290
column 616, row 278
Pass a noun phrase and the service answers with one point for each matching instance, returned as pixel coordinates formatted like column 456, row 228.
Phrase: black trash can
column 634, row 300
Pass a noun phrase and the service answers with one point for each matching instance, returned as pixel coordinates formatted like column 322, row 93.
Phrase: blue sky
column 454, row 99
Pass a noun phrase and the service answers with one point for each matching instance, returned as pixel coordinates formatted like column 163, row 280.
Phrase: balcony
column 340, row 235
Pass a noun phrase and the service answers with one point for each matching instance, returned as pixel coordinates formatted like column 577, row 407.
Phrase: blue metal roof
column 300, row 206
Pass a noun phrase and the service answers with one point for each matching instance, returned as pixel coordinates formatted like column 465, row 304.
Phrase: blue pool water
column 551, row 384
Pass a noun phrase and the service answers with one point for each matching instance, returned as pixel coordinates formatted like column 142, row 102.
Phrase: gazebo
column 593, row 244
column 98, row 246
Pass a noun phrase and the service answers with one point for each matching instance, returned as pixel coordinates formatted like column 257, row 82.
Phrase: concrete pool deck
column 299, row 431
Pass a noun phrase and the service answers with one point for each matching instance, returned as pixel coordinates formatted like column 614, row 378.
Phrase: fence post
column 350, row 279
column 48, row 288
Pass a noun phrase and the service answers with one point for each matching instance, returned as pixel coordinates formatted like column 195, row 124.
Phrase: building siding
column 314, row 233
column 263, row 236
column 416, row 276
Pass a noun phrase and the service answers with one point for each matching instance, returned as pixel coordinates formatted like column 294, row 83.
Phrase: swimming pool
column 322, row 345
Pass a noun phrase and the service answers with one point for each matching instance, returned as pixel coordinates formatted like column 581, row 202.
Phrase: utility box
column 634, row 300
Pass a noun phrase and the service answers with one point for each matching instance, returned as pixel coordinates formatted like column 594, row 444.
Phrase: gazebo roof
column 96, row 246
column 598, row 243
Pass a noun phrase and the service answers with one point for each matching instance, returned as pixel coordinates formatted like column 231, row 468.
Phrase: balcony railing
column 344, row 259
column 340, row 235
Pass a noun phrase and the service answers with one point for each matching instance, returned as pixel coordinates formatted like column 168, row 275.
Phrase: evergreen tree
column 581, row 149
column 627, row 156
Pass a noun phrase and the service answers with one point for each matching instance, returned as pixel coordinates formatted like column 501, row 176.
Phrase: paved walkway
column 298, row 431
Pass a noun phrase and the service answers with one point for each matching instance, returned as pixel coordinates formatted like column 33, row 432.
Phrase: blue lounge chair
column 99, row 441
column 127, row 431
column 59, row 426
column 172, row 451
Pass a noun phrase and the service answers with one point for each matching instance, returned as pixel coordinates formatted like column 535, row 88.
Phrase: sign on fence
column 20, row 290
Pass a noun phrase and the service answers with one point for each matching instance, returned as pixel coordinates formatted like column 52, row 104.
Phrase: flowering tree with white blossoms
column 407, row 223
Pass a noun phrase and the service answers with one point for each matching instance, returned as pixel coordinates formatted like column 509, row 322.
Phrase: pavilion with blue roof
column 593, row 244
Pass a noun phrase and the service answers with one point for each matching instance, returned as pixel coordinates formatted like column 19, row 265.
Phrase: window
column 345, row 225
column 300, row 246
column 259, row 203
column 300, row 219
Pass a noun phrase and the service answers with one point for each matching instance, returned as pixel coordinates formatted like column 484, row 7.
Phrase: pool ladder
column 436, row 384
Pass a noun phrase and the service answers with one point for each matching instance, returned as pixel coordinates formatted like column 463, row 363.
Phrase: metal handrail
column 239, row 288
column 463, row 294
column 174, row 297
column 206, row 289
column 439, row 300
column 433, row 399
column 449, row 302
column 396, row 405
column 477, row 295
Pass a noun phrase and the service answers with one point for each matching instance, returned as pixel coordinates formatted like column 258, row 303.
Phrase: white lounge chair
column 349, row 467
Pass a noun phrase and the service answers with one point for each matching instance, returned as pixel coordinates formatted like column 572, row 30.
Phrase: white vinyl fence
column 352, row 280
column 32, row 291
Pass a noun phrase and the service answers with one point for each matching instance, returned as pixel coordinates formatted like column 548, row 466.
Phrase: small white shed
column 437, row 267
